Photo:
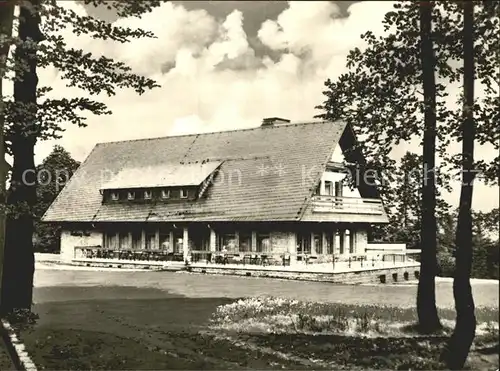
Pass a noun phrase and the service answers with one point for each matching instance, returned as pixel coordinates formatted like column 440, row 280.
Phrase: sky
column 226, row 65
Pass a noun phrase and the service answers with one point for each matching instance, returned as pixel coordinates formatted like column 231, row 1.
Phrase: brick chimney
column 271, row 121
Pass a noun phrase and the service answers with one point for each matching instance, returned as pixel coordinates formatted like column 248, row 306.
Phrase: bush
column 21, row 318
column 446, row 264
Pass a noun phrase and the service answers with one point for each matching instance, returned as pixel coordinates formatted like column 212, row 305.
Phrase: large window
column 303, row 243
column 350, row 241
column 124, row 242
column 151, row 239
column 165, row 243
column 318, row 243
column 339, row 241
column 338, row 188
column 112, row 241
column 136, row 239
column 328, row 188
column 263, row 242
column 245, row 241
column 329, row 243
column 227, row 241
column 178, row 240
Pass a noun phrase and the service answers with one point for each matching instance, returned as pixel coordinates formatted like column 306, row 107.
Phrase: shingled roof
column 266, row 173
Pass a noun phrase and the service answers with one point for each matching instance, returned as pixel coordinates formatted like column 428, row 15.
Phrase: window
column 350, row 241
column 303, row 243
column 131, row 195
column 329, row 243
column 111, row 241
column 227, row 241
column 328, row 188
column 147, row 195
column 123, row 241
column 263, row 242
column 338, row 189
column 165, row 243
column 115, row 196
column 165, row 193
column 151, row 239
column 341, row 237
column 318, row 243
column 184, row 193
column 178, row 240
column 318, row 189
column 136, row 239
column 245, row 241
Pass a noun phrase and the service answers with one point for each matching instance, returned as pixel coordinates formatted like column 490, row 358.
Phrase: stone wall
column 373, row 276
column 70, row 240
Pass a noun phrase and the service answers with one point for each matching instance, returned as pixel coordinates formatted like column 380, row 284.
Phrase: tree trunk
column 6, row 22
column 465, row 326
column 17, row 288
column 428, row 318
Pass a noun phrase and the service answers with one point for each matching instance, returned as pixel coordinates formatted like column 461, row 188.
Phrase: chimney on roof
column 271, row 121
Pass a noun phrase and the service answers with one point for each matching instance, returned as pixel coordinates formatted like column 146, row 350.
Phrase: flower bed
column 279, row 315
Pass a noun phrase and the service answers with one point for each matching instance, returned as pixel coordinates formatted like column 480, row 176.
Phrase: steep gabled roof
column 266, row 173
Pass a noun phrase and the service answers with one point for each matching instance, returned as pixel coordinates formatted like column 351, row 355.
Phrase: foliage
column 405, row 210
column 21, row 319
column 266, row 306
column 34, row 113
column 52, row 174
column 379, row 94
column 485, row 244
column 93, row 74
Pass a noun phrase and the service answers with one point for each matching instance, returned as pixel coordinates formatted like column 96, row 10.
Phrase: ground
column 5, row 362
column 93, row 319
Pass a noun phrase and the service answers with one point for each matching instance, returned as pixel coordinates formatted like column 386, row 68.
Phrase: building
column 274, row 194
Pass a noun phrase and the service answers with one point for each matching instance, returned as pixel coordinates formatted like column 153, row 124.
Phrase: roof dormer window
column 165, row 193
column 131, row 195
column 184, row 193
column 148, row 195
column 115, row 196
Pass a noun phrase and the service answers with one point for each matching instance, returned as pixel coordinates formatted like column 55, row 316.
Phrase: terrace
column 373, row 258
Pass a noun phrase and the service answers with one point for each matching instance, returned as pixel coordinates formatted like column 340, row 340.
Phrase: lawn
column 5, row 361
column 95, row 320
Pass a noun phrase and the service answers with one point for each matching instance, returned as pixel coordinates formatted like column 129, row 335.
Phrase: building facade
column 278, row 192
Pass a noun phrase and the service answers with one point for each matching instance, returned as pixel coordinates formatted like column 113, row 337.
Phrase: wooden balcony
column 347, row 205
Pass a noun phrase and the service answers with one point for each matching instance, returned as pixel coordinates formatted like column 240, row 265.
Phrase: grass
column 147, row 333
column 94, row 320
column 350, row 337
column 5, row 361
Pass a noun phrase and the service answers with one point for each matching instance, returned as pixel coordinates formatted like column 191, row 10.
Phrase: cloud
column 212, row 78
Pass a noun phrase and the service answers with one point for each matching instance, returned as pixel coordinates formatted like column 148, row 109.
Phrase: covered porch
column 296, row 246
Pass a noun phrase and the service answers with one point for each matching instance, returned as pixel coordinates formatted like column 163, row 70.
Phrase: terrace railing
column 347, row 205
column 350, row 261
column 99, row 253
column 285, row 259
